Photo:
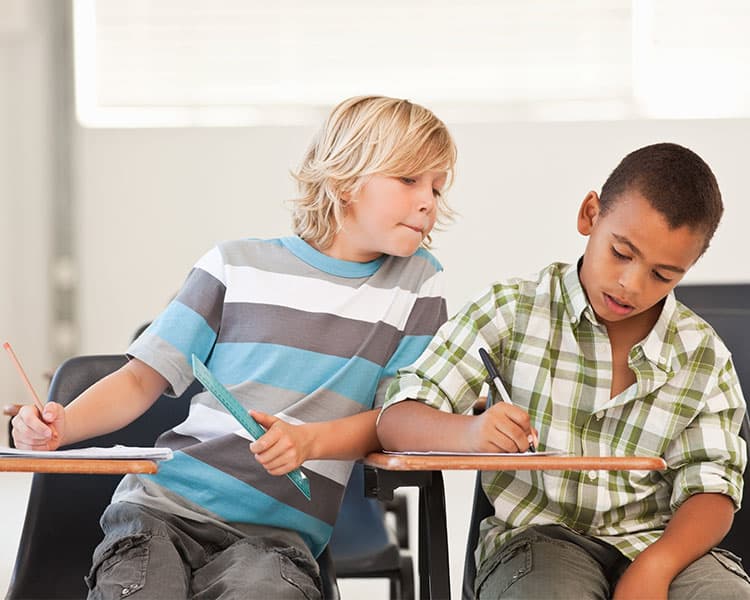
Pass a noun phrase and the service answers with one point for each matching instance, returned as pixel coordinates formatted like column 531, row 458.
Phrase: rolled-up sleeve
column 710, row 456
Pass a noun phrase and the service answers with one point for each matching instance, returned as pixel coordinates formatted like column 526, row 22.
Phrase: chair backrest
column 481, row 509
column 61, row 528
column 727, row 308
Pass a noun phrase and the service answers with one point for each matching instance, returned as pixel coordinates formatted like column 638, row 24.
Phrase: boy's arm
column 106, row 406
column 285, row 447
column 698, row 525
column 411, row 425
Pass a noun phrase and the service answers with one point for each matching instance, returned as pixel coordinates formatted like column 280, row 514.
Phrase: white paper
column 115, row 452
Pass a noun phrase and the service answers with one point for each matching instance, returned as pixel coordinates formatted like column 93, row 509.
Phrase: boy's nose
column 631, row 280
column 426, row 200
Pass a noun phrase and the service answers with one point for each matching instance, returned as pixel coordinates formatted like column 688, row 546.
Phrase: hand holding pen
column 498, row 385
column 31, row 430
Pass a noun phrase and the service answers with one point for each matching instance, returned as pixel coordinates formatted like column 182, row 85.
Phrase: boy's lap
column 548, row 562
column 256, row 570
column 553, row 562
column 144, row 556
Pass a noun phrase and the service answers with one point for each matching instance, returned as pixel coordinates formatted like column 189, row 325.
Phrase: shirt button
column 593, row 475
column 599, row 415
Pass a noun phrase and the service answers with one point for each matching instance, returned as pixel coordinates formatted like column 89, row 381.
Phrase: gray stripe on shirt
column 270, row 399
column 424, row 316
column 263, row 323
column 164, row 358
column 203, row 293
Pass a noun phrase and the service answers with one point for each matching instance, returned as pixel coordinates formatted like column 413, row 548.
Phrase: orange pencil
column 21, row 372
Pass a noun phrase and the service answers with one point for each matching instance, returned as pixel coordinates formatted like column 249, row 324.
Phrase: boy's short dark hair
column 675, row 181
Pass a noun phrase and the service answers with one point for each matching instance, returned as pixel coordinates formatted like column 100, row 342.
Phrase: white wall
column 151, row 201
column 25, row 192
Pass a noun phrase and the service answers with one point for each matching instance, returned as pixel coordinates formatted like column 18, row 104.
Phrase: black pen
column 495, row 377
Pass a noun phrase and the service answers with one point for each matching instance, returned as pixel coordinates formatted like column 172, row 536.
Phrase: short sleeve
column 188, row 325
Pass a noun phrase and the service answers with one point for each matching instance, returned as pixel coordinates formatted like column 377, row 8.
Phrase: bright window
column 244, row 62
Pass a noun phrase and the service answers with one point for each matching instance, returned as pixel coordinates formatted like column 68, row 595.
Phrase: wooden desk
column 77, row 465
column 386, row 472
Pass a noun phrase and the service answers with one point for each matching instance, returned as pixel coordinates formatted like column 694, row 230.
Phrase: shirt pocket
column 731, row 562
column 510, row 564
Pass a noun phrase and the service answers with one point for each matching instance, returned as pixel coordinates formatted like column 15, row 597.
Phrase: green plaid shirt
column 555, row 358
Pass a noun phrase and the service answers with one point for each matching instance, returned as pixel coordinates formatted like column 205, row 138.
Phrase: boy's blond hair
column 363, row 136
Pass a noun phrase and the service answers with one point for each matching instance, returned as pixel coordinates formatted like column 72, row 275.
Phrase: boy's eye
column 661, row 277
column 436, row 193
column 618, row 255
column 408, row 180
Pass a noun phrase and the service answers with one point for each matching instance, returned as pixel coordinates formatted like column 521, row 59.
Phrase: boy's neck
column 630, row 331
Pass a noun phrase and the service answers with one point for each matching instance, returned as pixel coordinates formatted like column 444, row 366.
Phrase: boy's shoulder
column 693, row 333
column 423, row 254
column 419, row 273
column 248, row 251
column 554, row 280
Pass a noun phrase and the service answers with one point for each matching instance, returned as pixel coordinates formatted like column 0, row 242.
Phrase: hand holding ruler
column 222, row 394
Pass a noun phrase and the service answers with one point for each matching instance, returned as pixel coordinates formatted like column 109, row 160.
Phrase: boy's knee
column 718, row 574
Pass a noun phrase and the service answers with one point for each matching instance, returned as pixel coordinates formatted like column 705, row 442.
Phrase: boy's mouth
column 618, row 306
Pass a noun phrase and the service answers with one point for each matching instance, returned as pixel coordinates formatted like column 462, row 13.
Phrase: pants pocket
column 507, row 566
column 119, row 567
column 299, row 571
column 731, row 562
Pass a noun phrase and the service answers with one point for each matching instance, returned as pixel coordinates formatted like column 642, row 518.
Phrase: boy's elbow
column 395, row 425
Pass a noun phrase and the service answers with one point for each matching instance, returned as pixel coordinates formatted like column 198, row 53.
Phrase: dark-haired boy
column 602, row 359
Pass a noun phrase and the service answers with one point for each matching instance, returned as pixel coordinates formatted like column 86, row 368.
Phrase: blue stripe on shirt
column 185, row 329
column 409, row 349
column 295, row 369
column 218, row 493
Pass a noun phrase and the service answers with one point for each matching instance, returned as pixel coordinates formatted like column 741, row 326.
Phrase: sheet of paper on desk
column 115, row 452
column 442, row 453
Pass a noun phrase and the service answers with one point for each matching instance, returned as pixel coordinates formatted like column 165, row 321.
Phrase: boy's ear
column 588, row 213
column 346, row 197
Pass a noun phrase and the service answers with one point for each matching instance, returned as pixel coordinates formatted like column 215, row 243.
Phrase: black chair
column 61, row 528
column 727, row 308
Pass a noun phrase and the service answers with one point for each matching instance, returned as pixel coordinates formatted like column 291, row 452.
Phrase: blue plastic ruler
column 223, row 395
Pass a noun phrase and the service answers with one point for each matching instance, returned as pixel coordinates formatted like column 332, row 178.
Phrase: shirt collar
column 576, row 303
column 657, row 346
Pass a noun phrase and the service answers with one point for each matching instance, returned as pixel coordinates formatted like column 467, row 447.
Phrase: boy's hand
column 283, row 447
column 34, row 432
column 502, row 428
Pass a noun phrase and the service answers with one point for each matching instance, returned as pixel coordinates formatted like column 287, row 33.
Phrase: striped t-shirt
column 291, row 332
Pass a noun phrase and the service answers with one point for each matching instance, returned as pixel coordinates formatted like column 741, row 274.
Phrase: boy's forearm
column 411, row 425
column 698, row 525
column 112, row 402
column 349, row 438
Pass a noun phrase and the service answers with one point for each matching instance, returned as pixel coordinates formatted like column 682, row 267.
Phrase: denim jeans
column 147, row 554
column 551, row 562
